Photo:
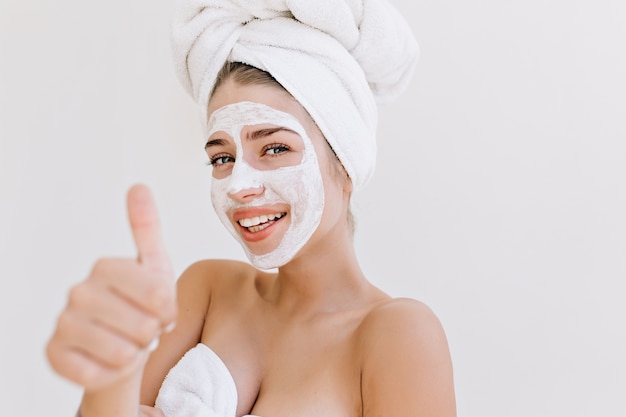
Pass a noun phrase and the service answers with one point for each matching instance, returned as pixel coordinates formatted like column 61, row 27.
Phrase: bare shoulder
column 401, row 319
column 203, row 279
column 221, row 278
column 197, row 287
column 406, row 365
column 213, row 271
column 402, row 325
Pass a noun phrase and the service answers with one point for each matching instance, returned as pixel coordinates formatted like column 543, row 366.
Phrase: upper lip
column 249, row 213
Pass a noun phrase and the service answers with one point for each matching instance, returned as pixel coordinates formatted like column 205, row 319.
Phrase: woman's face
column 266, row 153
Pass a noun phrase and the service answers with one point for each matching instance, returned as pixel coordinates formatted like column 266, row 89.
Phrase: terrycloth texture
column 337, row 58
column 199, row 385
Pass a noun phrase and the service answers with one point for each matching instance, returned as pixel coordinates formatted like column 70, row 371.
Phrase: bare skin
column 314, row 339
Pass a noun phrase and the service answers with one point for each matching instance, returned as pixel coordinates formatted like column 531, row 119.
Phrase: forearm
column 118, row 400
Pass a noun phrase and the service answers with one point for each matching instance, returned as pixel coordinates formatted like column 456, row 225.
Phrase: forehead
column 231, row 92
column 233, row 117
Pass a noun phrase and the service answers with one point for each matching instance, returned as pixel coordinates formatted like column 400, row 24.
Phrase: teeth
column 249, row 222
column 255, row 229
column 254, row 222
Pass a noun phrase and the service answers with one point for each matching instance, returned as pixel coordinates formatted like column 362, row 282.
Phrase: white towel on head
column 336, row 57
column 199, row 385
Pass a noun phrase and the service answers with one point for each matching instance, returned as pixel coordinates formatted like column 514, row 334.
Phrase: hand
column 112, row 317
column 146, row 411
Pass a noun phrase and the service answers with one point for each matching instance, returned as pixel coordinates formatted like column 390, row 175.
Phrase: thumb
column 146, row 228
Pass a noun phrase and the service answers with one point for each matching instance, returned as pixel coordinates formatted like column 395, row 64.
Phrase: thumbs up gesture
column 111, row 318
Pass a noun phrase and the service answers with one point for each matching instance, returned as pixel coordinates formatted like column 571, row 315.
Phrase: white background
column 499, row 198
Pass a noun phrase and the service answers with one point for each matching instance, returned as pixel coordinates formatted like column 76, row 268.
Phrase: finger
column 99, row 343
column 146, row 228
column 118, row 313
column 82, row 369
column 131, row 282
column 147, row 411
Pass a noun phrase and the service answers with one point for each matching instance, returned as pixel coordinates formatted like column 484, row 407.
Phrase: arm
column 193, row 289
column 102, row 336
column 193, row 294
column 407, row 369
column 119, row 399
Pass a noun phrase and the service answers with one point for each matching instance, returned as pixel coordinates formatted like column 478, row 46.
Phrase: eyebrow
column 215, row 142
column 261, row 133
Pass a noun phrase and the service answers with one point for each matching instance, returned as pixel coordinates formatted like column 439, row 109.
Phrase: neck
column 324, row 277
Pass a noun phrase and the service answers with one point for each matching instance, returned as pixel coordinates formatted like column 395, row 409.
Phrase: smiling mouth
column 258, row 223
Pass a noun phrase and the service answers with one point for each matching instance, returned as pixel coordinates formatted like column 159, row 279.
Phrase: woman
column 287, row 145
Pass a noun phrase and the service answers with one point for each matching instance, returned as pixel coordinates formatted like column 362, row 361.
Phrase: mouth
column 259, row 223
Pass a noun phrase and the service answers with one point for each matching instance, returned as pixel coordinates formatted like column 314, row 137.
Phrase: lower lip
column 258, row 236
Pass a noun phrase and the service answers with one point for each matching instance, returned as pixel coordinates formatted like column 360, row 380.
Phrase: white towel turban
column 336, row 57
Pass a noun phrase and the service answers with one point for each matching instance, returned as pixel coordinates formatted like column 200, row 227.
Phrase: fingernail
column 169, row 327
column 153, row 345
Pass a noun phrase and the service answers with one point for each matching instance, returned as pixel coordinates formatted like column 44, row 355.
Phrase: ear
column 346, row 181
column 347, row 184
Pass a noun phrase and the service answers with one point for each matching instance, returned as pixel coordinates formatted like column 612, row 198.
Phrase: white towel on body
column 336, row 57
column 199, row 385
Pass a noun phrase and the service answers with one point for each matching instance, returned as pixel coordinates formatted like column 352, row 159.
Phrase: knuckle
column 65, row 323
column 123, row 354
column 147, row 330
column 105, row 268
column 54, row 355
column 64, row 363
column 76, row 294
column 100, row 266
column 49, row 349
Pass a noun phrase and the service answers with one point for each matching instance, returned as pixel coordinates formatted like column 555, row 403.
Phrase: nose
column 245, row 183
column 246, row 195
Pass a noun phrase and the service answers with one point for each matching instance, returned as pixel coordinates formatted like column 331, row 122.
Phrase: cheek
column 334, row 197
column 334, row 176
column 219, row 196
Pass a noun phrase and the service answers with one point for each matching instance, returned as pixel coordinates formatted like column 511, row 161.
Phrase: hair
column 244, row 74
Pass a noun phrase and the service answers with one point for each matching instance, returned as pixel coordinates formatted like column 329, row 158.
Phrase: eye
column 275, row 149
column 221, row 159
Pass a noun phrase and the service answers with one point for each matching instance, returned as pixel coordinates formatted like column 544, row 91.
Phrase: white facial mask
column 299, row 186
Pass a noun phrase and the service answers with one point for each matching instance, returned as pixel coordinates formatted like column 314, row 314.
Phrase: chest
column 306, row 371
column 308, row 383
